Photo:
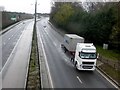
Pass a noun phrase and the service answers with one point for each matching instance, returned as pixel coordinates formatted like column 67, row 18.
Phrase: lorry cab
column 85, row 56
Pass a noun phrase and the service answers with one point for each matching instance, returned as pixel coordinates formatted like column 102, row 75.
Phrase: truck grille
column 87, row 62
column 87, row 67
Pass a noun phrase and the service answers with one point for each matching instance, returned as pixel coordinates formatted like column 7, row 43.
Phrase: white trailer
column 83, row 54
column 70, row 42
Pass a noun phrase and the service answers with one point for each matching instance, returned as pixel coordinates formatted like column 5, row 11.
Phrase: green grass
column 33, row 80
column 115, row 74
column 110, row 54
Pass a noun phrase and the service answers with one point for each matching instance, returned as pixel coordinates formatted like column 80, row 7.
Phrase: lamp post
column 35, row 12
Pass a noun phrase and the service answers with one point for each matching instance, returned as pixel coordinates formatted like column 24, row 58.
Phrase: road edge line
column 107, row 77
column 10, row 56
column 28, row 58
column 10, row 27
column 45, row 58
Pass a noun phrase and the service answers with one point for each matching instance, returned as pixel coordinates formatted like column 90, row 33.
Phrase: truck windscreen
column 84, row 55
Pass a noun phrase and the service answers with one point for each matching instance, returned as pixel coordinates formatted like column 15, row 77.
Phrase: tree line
column 7, row 18
column 96, row 22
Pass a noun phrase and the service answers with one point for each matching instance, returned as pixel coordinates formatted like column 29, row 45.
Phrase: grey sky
column 27, row 6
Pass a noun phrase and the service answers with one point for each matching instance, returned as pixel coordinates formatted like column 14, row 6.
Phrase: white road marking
column 28, row 62
column 3, row 70
column 9, row 60
column 79, row 79
column 9, row 38
column 52, row 37
column 54, row 43
column 107, row 78
column 100, row 64
column 66, row 60
column 4, row 43
column 46, row 61
column 47, row 33
column 11, row 49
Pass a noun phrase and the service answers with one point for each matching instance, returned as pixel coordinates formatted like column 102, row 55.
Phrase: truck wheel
column 76, row 66
column 62, row 46
column 72, row 59
column 65, row 50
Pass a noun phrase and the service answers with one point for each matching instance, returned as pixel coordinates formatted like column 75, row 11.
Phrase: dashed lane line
column 79, row 80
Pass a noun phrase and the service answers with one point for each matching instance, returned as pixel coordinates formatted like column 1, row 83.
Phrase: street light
column 35, row 11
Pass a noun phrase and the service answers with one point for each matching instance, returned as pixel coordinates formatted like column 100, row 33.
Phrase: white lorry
column 83, row 54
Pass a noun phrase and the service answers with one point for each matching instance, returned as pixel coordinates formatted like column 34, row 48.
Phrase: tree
column 98, row 24
column 115, row 35
column 62, row 16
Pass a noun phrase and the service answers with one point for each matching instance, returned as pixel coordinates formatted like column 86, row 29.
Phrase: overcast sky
column 27, row 6
column 44, row 6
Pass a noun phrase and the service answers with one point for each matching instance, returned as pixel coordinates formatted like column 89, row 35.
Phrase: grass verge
column 110, row 54
column 109, row 70
column 114, row 74
column 33, row 80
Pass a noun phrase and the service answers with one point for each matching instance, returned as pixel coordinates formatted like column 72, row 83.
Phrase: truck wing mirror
column 97, row 55
column 79, row 54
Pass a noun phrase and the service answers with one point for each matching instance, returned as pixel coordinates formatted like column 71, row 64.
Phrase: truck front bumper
column 86, row 67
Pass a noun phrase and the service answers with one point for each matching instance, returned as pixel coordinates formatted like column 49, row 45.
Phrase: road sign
column 14, row 19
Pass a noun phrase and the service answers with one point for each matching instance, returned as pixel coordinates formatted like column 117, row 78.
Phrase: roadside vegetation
column 10, row 18
column 110, row 62
column 110, row 54
column 115, row 74
column 97, row 22
column 33, row 80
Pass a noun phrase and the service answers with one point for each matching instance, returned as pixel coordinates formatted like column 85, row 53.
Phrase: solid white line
column 79, row 79
column 107, row 78
column 28, row 59
column 46, row 62
column 11, row 54
column 100, row 64
column 55, row 43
